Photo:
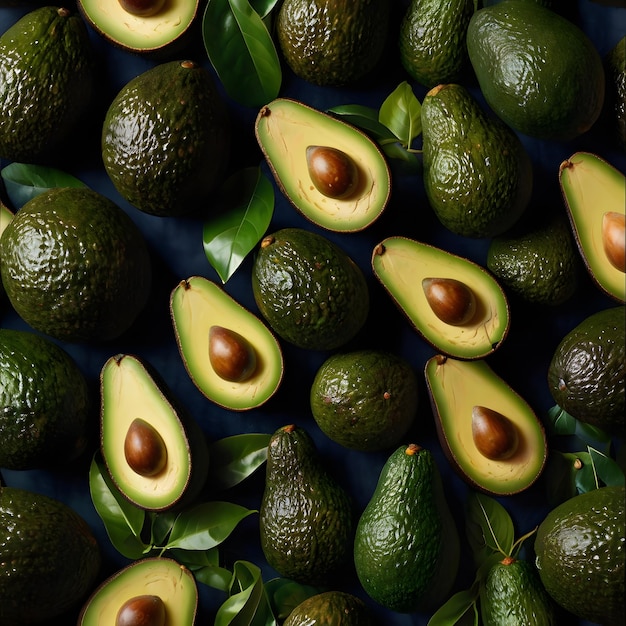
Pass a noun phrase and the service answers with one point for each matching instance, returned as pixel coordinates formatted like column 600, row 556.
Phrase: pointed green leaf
column 285, row 595
column 263, row 7
column 365, row 118
column 401, row 113
column 489, row 527
column 606, row 469
column 214, row 576
column 560, row 422
column 248, row 206
column 455, row 608
column 234, row 458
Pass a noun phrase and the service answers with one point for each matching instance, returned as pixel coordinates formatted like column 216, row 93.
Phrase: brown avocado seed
column 144, row 448
column 495, row 435
column 142, row 8
column 332, row 171
column 143, row 610
column 452, row 301
column 231, row 355
column 614, row 239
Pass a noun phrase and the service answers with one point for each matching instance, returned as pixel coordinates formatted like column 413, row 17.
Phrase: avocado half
column 161, row 32
column 286, row 128
column 455, row 387
column 594, row 193
column 401, row 264
column 198, row 304
column 131, row 390
column 162, row 577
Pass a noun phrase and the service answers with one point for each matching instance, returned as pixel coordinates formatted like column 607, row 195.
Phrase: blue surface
column 177, row 251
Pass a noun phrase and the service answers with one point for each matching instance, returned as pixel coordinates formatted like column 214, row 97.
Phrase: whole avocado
column 580, row 549
column 330, row 608
column 49, row 557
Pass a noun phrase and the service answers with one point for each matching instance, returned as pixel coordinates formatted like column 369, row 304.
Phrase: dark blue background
column 176, row 245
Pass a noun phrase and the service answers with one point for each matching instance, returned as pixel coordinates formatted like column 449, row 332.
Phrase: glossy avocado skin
column 45, row 57
column 615, row 70
column 406, row 546
column 330, row 608
column 305, row 517
column 49, row 558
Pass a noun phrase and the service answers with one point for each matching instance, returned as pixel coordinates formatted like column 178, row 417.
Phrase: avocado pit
column 144, row 448
column 495, row 436
column 144, row 610
column 142, row 8
column 451, row 300
column 231, row 355
column 614, row 239
column 333, row 172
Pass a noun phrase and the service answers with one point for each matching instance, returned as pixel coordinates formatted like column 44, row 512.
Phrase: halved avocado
column 141, row 34
column 285, row 129
column 159, row 577
column 401, row 264
column 197, row 305
column 595, row 194
column 455, row 388
column 154, row 451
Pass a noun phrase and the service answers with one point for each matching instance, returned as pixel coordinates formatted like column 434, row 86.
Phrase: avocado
column 331, row 608
column 305, row 518
column 615, row 98
column 311, row 293
column 160, row 34
column 332, row 42
column 49, row 557
column 580, row 555
column 6, row 215
column 586, row 371
column 477, row 174
column 432, row 40
column 197, row 306
column 538, row 263
column 406, row 545
column 154, row 450
column 142, row 582
column 537, row 70
column 365, row 399
column 512, row 594
column 488, row 432
column 594, row 193
column 291, row 133
column 437, row 308
column 45, row 403
column 166, row 139
column 47, row 82
column 75, row 266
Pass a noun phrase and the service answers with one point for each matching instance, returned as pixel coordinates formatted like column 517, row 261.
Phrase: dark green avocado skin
column 46, row 57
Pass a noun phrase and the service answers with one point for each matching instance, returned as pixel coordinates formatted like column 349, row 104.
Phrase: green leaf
column 365, row 118
column 213, row 576
column 489, row 527
column 560, row 475
column 285, row 595
column 206, row 525
column 586, row 479
column 205, row 565
column 401, row 114
column 234, row 458
column 242, row 52
column 248, row 198
column 122, row 520
column 606, row 469
column 456, row 607
column 23, row 181
column 560, row 422
column 263, row 7
column 160, row 526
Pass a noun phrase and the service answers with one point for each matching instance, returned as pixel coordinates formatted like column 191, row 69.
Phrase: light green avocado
column 331, row 608
column 536, row 69
column 478, row 176
column 159, row 577
column 594, row 193
column 197, row 305
column 402, row 264
column 285, row 129
column 154, row 451
column 163, row 31
column 6, row 215
column 508, row 453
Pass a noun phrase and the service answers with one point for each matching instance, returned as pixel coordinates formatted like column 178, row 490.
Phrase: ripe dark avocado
column 305, row 517
column 75, row 266
column 615, row 101
column 406, row 545
column 536, row 69
column 161, row 577
column 580, row 549
column 166, row 139
column 308, row 289
column 586, row 372
column 47, row 81
column 331, row 608
column 45, row 403
column 49, row 557
column 6, row 215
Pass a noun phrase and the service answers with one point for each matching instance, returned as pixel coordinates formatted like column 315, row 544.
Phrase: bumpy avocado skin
column 47, row 81
column 331, row 608
column 305, row 517
column 49, row 558
column 166, row 139
column 586, row 372
column 615, row 68
column 477, row 173
column 406, row 546
column 332, row 42
column 580, row 549
column 309, row 290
